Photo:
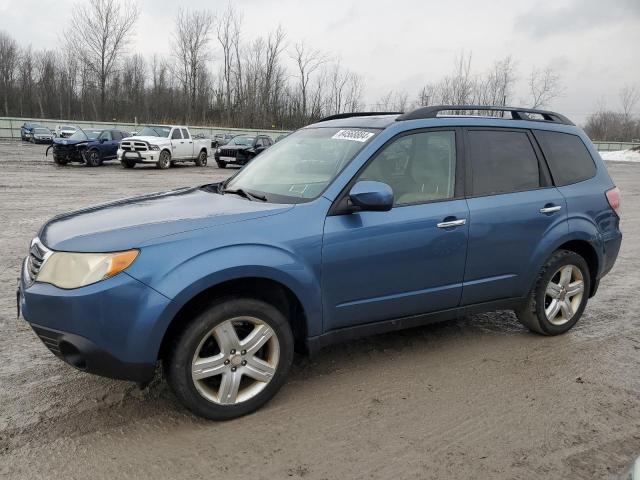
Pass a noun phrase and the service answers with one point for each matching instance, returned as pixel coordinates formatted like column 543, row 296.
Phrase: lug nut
column 233, row 369
column 233, row 352
column 226, row 362
column 244, row 362
column 243, row 352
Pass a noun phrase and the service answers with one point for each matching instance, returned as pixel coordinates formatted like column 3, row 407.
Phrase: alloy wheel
column 235, row 360
column 564, row 294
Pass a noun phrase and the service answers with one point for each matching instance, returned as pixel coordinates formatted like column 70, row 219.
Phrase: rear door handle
column 452, row 223
column 552, row 209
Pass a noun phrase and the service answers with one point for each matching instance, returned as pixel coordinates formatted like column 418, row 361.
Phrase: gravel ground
column 475, row 398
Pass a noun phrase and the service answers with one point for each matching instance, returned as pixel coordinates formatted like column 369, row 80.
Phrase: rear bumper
column 111, row 328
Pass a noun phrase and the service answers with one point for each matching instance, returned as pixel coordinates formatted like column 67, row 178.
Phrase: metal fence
column 615, row 146
column 10, row 127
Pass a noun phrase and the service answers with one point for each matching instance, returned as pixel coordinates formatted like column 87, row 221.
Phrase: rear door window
column 502, row 162
column 567, row 156
column 185, row 134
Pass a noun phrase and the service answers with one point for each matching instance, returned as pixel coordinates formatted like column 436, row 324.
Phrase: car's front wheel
column 221, row 164
column 164, row 160
column 231, row 359
column 127, row 163
column 559, row 296
column 92, row 158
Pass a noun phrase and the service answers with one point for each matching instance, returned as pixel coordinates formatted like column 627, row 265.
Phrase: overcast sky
column 403, row 44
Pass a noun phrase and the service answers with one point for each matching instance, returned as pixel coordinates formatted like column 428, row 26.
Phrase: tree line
column 217, row 75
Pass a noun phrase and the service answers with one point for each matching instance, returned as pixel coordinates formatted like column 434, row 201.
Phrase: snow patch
column 622, row 156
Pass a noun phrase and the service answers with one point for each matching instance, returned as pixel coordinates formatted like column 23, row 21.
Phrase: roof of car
column 359, row 121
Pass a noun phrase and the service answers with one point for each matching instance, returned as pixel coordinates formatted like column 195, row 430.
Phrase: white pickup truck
column 163, row 145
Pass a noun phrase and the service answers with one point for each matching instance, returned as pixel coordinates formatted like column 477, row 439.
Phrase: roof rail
column 356, row 114
column 517, row 113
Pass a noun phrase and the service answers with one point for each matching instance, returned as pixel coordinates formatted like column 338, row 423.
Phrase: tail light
column 613, row 197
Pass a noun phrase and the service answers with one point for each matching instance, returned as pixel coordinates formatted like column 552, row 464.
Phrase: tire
column 273, row 357
column 201, row 161
column 33, row 140
column 569, row 274
column 59, row 161
column 221, row 164
column 127, row 163
column 164, row 160
column 92, row 158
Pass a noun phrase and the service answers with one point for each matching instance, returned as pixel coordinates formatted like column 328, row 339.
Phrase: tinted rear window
column 567, row 156
column 502, row 162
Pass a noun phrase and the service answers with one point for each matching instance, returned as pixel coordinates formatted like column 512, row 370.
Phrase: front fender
column 185, row 280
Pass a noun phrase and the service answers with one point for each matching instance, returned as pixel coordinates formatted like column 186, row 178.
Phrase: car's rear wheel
column 201, row 161
column 92, row 158
column 221, row 164
column 559, row 296
column 164, row 160
column 231, row 359
column 127, row 163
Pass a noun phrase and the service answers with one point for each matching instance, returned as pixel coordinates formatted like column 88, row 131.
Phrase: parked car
column 220, row 139
column 65, row 131
column 163, row 145
column 351, row 226
column 91, row 147
column 241, row 149
column 26, row 130
column 41, row 135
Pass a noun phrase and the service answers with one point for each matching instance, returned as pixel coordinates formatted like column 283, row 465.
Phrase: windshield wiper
column 242, row 193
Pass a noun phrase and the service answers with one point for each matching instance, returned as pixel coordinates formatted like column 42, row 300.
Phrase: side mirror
column 371, row 196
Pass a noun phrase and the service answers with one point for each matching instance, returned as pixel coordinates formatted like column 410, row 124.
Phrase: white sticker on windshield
column 353, row 135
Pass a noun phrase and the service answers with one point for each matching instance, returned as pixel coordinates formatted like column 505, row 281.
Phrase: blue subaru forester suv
column 355, row 225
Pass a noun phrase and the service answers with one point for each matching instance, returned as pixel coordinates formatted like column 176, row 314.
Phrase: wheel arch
column 262, row 288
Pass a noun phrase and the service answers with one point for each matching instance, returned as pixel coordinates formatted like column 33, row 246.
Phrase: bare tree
column 629, row 97
column 228, row 33
column 8, row 63
column 307, row 61
column 191, row 41
column 100, row 32
column 544, row 86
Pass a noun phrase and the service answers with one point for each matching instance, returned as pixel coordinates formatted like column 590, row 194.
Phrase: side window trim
column 339, row 206
column 543, row 168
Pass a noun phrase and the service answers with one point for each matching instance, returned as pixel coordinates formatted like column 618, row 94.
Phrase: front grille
column 134, row 146
column 38, row 253
column 228, row 152
column 50, row 339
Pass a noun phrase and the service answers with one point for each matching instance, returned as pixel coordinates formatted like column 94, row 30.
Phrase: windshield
column 299, row 168
column 242, row 140
column 67, row 127
column 85, row 135
column 42, row 130
column 154, row 132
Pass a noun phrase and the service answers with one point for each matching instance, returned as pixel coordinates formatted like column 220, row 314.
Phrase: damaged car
column 90, row 146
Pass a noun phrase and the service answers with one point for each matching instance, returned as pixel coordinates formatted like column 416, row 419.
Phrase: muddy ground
column 477, row 398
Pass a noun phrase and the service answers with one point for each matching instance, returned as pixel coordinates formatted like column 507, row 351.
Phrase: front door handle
column 452, row 223
column 551, row 209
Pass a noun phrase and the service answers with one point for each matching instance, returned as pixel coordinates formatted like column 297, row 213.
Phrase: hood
column 237, row 147
column 66, row 141
column 153, row 140
column 129, row 223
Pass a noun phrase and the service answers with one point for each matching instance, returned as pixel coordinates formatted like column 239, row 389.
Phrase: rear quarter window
column 567, row 156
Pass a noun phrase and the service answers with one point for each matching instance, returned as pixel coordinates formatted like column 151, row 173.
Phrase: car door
column 512, row 204
column 112, row 144
column 177, row 144
column 409, row 260
column 187, row 145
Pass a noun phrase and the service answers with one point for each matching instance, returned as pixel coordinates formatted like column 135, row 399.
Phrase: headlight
column 75, row 270
column 154, row 147
column 218, row 150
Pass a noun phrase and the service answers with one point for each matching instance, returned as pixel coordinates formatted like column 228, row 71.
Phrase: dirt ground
column 478, row 398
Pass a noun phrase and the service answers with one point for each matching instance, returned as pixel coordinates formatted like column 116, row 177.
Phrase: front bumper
column 150, row 156
column 111, row 328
